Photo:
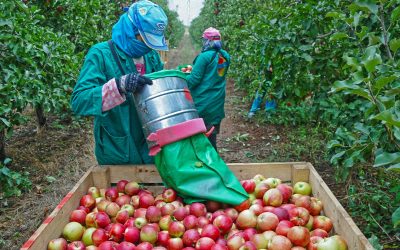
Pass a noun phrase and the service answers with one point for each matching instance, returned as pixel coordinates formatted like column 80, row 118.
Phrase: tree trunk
column 41, row 118
column 2, row 145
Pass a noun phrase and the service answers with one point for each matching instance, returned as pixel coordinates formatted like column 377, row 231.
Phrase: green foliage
column 12, row 183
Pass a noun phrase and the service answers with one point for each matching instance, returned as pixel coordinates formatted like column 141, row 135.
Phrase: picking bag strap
column 116, row 58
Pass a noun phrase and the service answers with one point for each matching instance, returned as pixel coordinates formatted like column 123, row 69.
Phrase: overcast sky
column 187, row 9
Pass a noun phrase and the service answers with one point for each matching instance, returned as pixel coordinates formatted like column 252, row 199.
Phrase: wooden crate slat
column 343, row 224
column 245, row 171
column 52, row 227
column 138, row 173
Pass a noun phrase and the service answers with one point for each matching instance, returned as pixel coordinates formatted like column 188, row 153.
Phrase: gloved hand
column 132, row 83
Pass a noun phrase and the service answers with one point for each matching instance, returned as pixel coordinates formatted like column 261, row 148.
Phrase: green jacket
column 118, row 133
column 207, row 84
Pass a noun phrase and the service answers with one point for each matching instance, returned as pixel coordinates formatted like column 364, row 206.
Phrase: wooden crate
column 104, row 176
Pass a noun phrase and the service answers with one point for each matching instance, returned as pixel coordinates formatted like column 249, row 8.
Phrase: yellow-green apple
column 87, row 236
column 272, row 182
column 302, row 187
column 246, row 219
column 332, row 243
column 279, row 242
column 272, row 197
column 148, row 234
column 165, row 221
column 112, row 209
column 267, row 221
column 260, row 190
column 299, row 236
column 140, row 222
column 73, row 231
column 268, row 235
column 258, row 178
column 309, row 224
column 259, row 241
column 94, row 192
column 340, row 241
column 101, row 206
column 57, row 244
column 322, row 222
column 235, row 241
column 132, row 188
column 299, row 216
column 129, row 208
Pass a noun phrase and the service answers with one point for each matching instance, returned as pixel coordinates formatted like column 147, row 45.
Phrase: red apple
column 99, row 236
column 299, row 216
column 117, row 231
column 219, row 247
column 210, row 231
column 175, row 244
column 130, row 222
column 256, row 208
column 132, row 188
column 140, row 212
column 111, row 194
column 283, row 227
column 248, row 233
column 132, row 234
column 202, row 221
column 146, row 200
column 126, row 246
column 246, row 219
column 303, row 188
column 167, row 209
column 288, row 206
column 232, row 213
column 279, row 242
column 87, row 210
column 169, row 195
column 73, row 231
column 123, row 199
column 190, row 237
column 248, row 185
column 101, row 206
column 76, row 245
column 122, row 216
column 197, row 209
column 243, row 206
column 260, row 190
column 153, row 214
column 57, row 244
column 108, row 245
column 102, row 220
column 176, row 229
column 135, row 201
column 204, row 243
column 213, row 206
column 281, row 213
column 163, row 238
column 223, row 223
column 272, row 197
column 78, row 216
column 286, row 192
column 92, row 247
column 144, row 246
column 314, row 240
column 190, row 222
column 299, row 236
column 112, row 209
column 88, row 201
column 148, row 234
column 121, row 186
column 316, row 206
column 322, row 222
column 180, row 213
column 319, row 232
column 303, row 201
column 267, row 221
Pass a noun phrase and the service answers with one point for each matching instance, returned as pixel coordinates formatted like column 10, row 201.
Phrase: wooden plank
column 101, row 177
column 138, row 173
column 300, row 172
column 343, row 224
column 53, row 225
column 280, row 170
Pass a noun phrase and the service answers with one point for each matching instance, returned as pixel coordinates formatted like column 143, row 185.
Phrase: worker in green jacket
column 111, row 73
column 207, row 81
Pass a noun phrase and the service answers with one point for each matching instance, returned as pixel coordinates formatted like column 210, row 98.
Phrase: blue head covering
column 211, row 44
column 124, row 36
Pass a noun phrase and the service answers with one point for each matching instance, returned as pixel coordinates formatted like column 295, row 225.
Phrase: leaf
column 332, row 14
column 345, row 85
column 395, row 167
column 371, row 59
column 375, row 242
column 46, row 49
column 388, row 117
column 383, row 81
column 396, row 217
column 394, row 45
column 7, row 123
column 386, row 159
column 338, row 36
column 369, row 4
column 395, row 14
column 333, row 144
column 307, row 57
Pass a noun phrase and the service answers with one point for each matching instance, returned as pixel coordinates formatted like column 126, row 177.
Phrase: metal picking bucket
column 165, row 103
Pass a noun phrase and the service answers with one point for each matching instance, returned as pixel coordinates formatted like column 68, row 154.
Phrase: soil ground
column 57, row 158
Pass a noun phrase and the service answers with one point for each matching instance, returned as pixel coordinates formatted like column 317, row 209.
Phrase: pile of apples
column 276, row 216
column 187, row 69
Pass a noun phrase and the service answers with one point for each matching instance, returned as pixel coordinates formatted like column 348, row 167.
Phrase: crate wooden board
column 290, row 172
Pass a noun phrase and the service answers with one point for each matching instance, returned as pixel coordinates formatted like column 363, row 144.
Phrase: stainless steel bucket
column 165, row 103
